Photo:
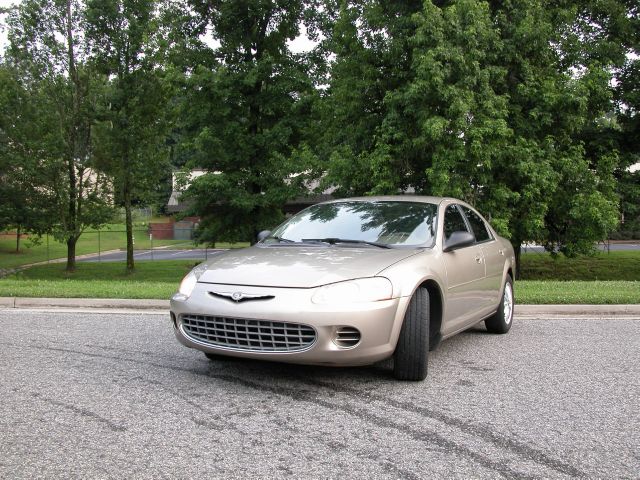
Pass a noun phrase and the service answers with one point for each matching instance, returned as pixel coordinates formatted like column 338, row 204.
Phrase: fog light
column 346, row 337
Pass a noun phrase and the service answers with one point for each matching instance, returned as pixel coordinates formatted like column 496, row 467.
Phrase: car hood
column 298, row 266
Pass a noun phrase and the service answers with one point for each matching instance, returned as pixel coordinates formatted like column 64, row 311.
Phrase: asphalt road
column 156, row 254
column 202, row 254
column 603, row 247
column 90, row 395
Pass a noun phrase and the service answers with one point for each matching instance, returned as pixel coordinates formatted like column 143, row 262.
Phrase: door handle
column 478, row 259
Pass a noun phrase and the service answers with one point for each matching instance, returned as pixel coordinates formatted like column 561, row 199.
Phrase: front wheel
column 501, row 321
column 410, row 359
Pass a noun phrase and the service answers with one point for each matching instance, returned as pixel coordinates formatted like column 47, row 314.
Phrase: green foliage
column 48, row 50
column 628, row 142
column 503, row 104
column 22, row 171
column 371, row 44
column 526, row 109
column 130, row 133
column 244, row 117
column 615, row 265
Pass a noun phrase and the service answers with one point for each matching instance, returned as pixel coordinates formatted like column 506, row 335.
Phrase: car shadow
column 269, row 369
column 380, row 371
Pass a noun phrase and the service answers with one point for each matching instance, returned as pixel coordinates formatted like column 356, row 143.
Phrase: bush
column 625, row 235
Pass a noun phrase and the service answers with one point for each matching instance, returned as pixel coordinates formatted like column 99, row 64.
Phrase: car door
column 494, row 256
column 465, row 270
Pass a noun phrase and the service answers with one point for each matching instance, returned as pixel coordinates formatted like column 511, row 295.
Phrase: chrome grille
column 246, row 334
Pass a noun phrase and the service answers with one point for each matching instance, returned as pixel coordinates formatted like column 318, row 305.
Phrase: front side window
column 385, row 222
column 477, row 225
column 453, row 221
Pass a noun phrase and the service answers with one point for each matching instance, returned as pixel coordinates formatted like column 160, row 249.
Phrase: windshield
column 383, row 222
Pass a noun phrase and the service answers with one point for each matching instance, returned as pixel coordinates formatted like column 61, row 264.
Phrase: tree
column 244, row 112
column 371, row 42
column 491, row 102
column 48, row 48
column 552, row 193
column 24, row 203
column 131, row 131
column 628, row 135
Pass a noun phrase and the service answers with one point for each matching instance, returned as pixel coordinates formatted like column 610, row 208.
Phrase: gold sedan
column 352, row 282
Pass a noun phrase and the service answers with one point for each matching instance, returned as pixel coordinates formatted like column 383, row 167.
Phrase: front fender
column 408, row 274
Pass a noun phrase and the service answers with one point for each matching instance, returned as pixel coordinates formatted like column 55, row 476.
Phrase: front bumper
column 378, row 322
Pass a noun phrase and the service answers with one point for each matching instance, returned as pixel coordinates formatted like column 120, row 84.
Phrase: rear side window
column 477, row 225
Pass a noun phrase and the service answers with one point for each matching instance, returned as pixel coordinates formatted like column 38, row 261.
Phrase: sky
column 3, row 34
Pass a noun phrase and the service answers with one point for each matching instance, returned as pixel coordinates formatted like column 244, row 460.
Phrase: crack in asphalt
column 425, row 436
column 478, row 430
column 82, row 412
column 429, row 437
column 386, row 464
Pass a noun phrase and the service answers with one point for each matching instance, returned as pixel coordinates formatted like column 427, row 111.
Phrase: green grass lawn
column 159, row 280
column 598, row 292
column 98, row 280
column 84, row 289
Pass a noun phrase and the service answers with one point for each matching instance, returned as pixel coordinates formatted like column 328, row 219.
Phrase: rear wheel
column 410, row 360
column 503, row 318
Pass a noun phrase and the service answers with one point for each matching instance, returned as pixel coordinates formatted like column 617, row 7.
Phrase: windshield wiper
column 280, row 239
column 333, row 241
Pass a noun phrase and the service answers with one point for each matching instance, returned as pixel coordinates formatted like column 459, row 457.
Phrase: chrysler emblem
column 237, row 296
column 240, row 297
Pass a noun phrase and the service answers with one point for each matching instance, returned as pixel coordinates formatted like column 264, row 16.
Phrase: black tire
column 410, row 360
column 499, row 323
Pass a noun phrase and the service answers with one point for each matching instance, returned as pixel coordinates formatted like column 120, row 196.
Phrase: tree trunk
column 128, row 223
column 516, row 250
column 72, row 226
column 18, row 239
column 71, row 253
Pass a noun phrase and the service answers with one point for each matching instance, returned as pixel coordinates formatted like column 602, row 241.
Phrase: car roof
column 397, row 198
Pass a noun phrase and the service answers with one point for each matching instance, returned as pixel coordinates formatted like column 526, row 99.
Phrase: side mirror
column 263, row 234
column 458, row 240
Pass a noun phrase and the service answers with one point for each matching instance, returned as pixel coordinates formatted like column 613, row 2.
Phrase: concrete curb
column 7, row 302
column 163, row 305
column 84, row 303
column 590, row 310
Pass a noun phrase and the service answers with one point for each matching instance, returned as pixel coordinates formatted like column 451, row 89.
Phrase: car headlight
column 188, row 283
column 371, row 289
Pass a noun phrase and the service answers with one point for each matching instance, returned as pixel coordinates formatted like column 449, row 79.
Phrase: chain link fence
column 169, row 242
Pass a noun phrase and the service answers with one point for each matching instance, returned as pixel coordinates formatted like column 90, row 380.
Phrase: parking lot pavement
column 114, row 395
column 603, row 247
column 156, row 254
